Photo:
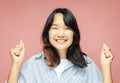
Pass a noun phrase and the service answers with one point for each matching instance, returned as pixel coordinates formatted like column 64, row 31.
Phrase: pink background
column 98, row 20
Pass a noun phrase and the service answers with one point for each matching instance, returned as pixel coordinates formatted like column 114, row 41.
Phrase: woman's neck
column 62, row 54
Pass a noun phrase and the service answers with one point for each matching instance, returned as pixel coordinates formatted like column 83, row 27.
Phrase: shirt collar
column 41, row 56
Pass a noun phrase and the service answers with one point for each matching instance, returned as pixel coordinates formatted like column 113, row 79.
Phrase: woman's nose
column 60, row 33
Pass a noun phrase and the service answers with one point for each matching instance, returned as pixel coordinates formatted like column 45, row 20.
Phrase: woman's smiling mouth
column 61, row 41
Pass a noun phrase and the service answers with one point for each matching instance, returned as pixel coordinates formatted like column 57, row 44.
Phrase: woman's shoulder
column 36, row 56
column 89, row 61
column 34, row 59
column 32, row 64
column 91, row 65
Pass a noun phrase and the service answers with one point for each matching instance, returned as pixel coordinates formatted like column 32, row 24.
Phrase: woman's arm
column 17, row 55
column 106, row 60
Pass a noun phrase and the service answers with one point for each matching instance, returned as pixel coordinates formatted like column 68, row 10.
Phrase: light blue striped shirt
column 35, row 70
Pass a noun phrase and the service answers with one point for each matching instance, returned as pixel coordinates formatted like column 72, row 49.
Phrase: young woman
column 62, row 60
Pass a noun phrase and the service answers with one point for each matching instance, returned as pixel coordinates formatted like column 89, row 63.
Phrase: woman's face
column 60, row 36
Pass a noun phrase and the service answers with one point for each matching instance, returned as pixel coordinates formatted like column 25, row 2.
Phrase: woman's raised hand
column 106, row 56
column 18, row 52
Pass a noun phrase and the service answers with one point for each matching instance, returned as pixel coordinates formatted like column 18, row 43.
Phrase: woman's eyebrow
column 54, row 24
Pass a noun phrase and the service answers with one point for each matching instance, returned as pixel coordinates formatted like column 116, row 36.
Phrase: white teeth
column 60, row 41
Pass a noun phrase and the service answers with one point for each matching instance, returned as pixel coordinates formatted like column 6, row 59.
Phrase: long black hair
column 74, row 53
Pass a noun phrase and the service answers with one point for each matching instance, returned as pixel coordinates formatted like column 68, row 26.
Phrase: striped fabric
column 35, row 70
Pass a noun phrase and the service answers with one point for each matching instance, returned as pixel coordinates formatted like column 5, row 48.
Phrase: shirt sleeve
column 26, row 73
column 95, row 73
column 23, row 73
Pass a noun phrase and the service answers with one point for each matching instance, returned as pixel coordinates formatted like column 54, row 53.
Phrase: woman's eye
column 68, row 28
column 54, row 28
